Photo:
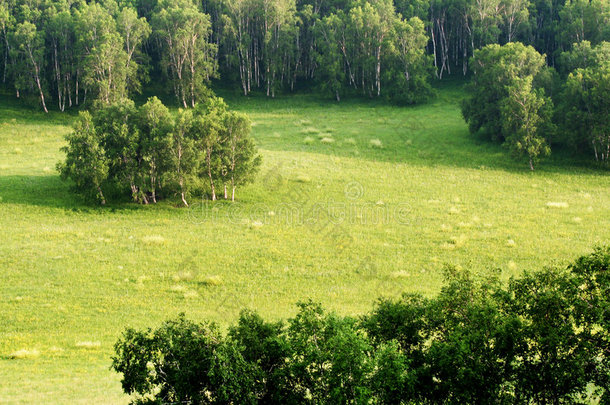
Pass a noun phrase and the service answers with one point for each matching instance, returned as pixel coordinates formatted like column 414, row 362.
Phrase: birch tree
column 28, row 49
column 86, row 163
column 134, row 32
column 155, row 126
column 188, row 57
column 525, row 115
column 586, row 106
column 183, row 156
column 241, row 158
column 60, row 31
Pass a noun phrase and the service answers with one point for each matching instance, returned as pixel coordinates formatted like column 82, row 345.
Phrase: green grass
column 414, row 189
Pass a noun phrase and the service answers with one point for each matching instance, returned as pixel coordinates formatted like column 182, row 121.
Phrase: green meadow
column 354, row 201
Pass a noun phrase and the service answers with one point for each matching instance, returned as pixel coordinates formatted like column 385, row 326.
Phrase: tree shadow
column 44, row 191
column 51, row 192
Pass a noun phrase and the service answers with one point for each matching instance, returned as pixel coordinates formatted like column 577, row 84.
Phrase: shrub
column 543, row 338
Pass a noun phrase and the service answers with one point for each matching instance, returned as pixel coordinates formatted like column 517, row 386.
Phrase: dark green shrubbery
column 543, row 338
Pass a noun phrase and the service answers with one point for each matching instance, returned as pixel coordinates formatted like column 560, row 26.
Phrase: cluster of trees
column 148, row 153
column 341, row 46
column 459, row 27
column 543, row 338
column 516, row 98
column 74, row 51
column 105, row 49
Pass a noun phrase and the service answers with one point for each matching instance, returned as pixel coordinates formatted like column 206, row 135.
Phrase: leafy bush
column 543, row 338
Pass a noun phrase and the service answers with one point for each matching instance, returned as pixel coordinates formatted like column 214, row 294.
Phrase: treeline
column 78, row 51
column 544, row 338
column 517, row 99
column 74, row 51
column 146, row 152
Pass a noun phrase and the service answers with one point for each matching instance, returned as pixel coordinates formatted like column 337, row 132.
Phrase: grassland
column 354, row 201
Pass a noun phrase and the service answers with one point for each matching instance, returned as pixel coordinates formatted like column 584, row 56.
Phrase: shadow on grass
column 52, row 192
column 44, row 191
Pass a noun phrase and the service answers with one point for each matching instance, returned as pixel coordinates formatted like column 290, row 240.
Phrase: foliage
column 585, row 105
column 505, row 105
column 534, row 341
column 188, row 55
column 183, row 362
column 86, row 161
column 526, row 114
column 146, row 149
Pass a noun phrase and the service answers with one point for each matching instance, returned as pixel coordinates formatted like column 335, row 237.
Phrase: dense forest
column 72, row 52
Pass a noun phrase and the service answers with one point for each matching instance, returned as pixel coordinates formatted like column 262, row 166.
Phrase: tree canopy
column 146, row 153
column 541, row 338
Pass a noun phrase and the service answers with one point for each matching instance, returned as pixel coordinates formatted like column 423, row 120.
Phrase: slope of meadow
column 354, row 201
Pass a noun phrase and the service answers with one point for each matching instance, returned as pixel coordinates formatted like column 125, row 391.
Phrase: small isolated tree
column 86, row 163
column 525, row 114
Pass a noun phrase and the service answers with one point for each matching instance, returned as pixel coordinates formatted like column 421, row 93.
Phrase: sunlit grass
column 74, row 276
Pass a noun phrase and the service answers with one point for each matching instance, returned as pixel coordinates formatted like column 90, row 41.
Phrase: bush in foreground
column 543, row 338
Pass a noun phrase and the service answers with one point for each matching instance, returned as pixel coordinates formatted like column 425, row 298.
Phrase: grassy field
column 354, row 201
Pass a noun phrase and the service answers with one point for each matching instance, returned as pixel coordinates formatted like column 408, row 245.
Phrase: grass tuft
column 153, row 240
column 24, row 354
column 89, row 345
column 212, row 281
column 376, row 143
column 552, row 204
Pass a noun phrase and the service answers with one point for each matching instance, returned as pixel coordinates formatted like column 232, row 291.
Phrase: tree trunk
column 210, row 176
column 5, row 55
column 232, row 188
column 103, row 200
column 531, row 164
column 37, row 78
column 44, row 106
column 76, row 90
column 153, row 191
column 58, row 77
